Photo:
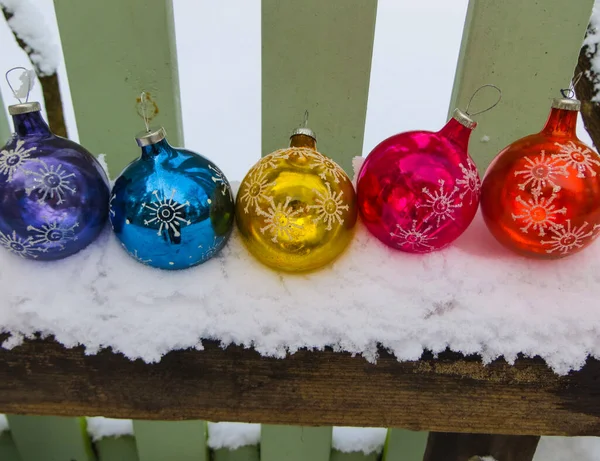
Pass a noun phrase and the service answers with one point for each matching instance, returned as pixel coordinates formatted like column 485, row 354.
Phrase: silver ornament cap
column 24, row 108
column 462, row 118
column 566, row 104
column 305, row 131
column 152, row 136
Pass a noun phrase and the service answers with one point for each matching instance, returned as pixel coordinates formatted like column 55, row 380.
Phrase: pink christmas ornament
column 418, row 191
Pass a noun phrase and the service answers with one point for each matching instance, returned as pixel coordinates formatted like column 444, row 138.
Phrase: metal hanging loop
column 145, row 117
column 475, row 93
column 569, row 93
column 305, row 119
column 27, row 75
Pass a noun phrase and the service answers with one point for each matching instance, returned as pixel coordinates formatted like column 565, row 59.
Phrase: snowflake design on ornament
column 538, row 213
column 167, row 213
column 470, row 181
column 579, row 158
column 212, row 249
column 219, row 178
column 279, row 219
column 329, row 206
column 440, row 202
column 21, row 247
column 416, row 239
column 53, row 234
column 135, row 256
column 255, row 190
column 303, row 153
column 110, row 205
column 51, row 181
column 11, row 160
column 328, row 166
column 541, row 171
column 270, row 161
column 566, row 239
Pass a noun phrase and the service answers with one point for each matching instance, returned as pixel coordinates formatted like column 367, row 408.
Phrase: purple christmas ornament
column 53, row 193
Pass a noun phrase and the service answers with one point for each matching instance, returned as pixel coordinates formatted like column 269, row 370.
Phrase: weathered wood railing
column 513, row 44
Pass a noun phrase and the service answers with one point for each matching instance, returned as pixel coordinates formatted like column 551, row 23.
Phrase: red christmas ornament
column 418, row 191
column 541, row 194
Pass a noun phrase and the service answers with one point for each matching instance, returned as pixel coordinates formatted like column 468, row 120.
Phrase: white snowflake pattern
column 219, row 178
column 11, row 160
column 470, row 181
column 279, row 219
column 329, row 207
column 418, row 240
column 271, row 160
column 542, row 171
column 21, row 247
column 578, row 157
column 137, row 257
column 539, row 213
column 167, row 213
column 328, row 166
column 441, row 203
column 567, row 238
column 52, row 233
column 255, row 190
column 212, row 248
column 110, row 205
column 51, row 181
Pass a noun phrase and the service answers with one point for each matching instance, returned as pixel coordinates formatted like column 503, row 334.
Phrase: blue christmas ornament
column 53, row 193
column 171, row 208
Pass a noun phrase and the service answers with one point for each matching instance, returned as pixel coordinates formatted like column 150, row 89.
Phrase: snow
column 31, row 27
column 355, row 439
column 3, row 423
column 232, row 435
column 473, row 297
column 568, row 448
column 99, row 427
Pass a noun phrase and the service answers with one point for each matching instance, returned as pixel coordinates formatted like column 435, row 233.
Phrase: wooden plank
column 8, row 449
column 295, row 443
column 247, row 453
column 443, row 446
column 529, row 50
column 51, row 438
column 353, row 456
column 116, row 449
column 158, row 440
column 131, row 48
column 585, row 89
column 316, row 55
column 448, row 393
column 403, row 445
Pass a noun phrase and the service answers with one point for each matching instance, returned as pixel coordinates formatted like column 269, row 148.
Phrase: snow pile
column 232, row 435
column 99, row 427
column 356, row 439
column 568, row 448
column 30, row 26
column 474, row 297
column 3, row 423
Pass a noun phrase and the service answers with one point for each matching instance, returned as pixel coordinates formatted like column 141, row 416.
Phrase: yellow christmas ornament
column 296, row 209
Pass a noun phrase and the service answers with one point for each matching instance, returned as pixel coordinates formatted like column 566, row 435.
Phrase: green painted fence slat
column 295, row 443
column 173, row 441
column 8, row 449
column 354, row 456
column 5, row 130
column 113, row 50
column 116, row 449
column 316, row 55
column 248, row 453
column 527, row 48
column 403, row 445
column 51, row 438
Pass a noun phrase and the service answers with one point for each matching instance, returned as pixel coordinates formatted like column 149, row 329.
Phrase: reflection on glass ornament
column 53, row 192
column 296, row 208
column 171, row 208
column 541, row 194
column 418, row 191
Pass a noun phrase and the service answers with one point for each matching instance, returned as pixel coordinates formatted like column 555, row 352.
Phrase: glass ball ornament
column 171, row 208
column 53, row 192
column 541, row 194
column 418, row 191
column 296, row 208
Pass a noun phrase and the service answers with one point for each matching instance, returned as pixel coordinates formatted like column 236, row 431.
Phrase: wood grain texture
column 450, row 393
column 442, row 446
